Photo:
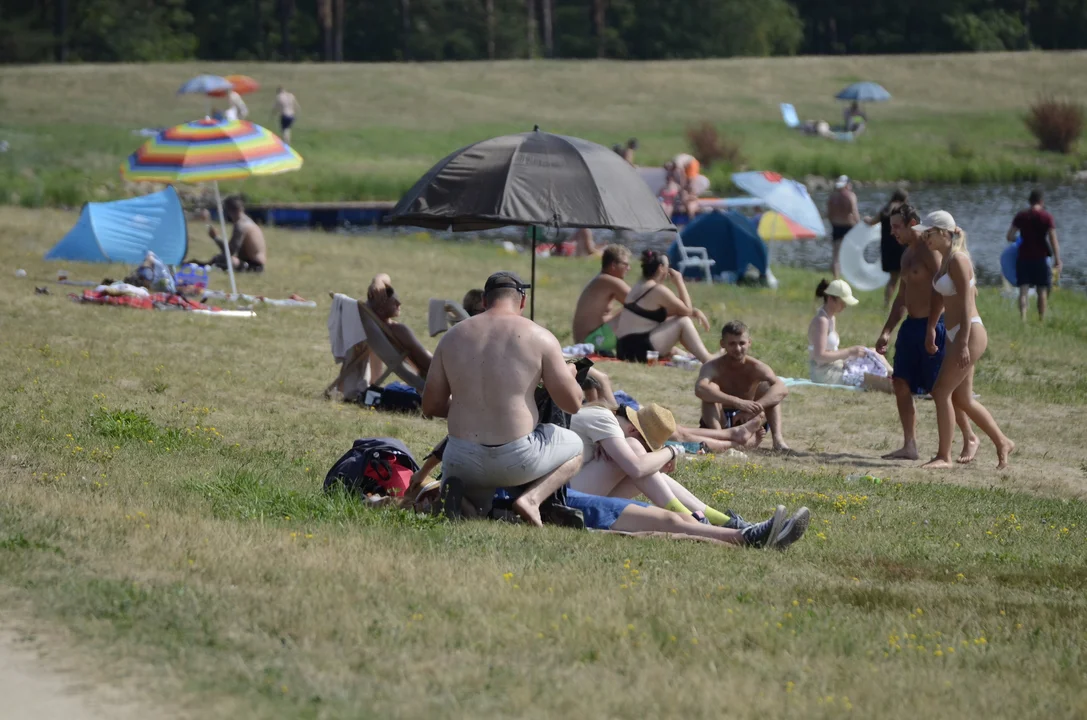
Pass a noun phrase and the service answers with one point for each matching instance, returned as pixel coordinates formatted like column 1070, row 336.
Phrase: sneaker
column 700, row 517
column 793, row 529
column 735, row 520
column 765, row 534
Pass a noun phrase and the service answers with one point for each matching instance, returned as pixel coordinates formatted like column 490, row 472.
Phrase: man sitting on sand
column 483, row 379
column 734, row 387
column 248, row 251
column 383, row 300
column 594, row 316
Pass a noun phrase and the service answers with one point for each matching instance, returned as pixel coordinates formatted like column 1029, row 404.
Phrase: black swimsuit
column 633, row 347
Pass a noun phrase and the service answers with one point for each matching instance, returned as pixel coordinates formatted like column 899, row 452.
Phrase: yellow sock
column 677, row 507
column 716, row 517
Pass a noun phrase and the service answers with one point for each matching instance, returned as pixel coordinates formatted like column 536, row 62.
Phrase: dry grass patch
column 160, row 502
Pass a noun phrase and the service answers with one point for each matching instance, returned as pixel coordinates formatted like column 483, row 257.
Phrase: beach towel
column 444, row 314
column 152, row 301
column 344, row 326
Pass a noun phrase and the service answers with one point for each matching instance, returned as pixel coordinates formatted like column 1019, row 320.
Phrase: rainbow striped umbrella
column 209, row 151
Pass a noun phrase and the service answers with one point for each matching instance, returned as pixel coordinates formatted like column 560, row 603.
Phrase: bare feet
column 751, row 433
column 1002, row 452
column 969, row 450
column 528, row 510
column 780, row 446
column 908, row 451
column 937, row 463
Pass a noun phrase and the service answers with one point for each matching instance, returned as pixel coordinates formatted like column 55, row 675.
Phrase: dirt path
column 30, row 689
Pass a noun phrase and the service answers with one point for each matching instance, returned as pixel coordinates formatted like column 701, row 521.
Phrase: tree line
column 38, row 31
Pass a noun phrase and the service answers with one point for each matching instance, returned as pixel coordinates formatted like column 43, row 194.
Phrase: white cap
column 841, row 290
column 841, row 182
column 941, row 219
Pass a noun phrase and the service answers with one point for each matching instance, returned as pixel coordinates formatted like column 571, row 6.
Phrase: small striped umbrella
column 209, row 151
column 775, row 226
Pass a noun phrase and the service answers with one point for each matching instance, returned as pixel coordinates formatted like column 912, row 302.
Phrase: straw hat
column 654, row 423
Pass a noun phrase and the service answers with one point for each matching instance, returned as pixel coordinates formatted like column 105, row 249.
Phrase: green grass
column 161, row 520
column 368, row 131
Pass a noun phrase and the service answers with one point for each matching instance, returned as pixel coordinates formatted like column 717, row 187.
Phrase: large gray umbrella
column 531, row 179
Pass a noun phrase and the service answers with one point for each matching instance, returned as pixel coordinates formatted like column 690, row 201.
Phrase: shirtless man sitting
column 915, row 370
column 595, row 317
column 247, row 247
column 483, row 379
column 734, row 387
column 383, row 300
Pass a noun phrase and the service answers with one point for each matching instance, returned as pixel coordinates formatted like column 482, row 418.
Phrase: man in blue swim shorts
column 915, row 368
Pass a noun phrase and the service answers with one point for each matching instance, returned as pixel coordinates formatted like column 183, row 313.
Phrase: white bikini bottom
column 953, row 332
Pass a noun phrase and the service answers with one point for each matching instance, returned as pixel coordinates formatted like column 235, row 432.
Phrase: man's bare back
column 842, row 208
column 247, row 242
column 594, row 304
column 286, row 104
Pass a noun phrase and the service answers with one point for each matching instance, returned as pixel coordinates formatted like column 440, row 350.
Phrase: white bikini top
column 946, row 286
column 832, row 337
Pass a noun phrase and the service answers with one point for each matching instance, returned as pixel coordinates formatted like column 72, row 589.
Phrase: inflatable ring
column 858, row 272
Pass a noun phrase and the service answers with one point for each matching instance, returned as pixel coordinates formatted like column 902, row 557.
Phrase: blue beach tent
column 730, row 238
column 124, row 230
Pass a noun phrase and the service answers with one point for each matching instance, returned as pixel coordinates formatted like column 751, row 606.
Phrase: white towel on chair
column 344, row 326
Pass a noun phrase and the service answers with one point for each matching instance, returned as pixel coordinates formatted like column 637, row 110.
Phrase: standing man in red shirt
column 1035, row 225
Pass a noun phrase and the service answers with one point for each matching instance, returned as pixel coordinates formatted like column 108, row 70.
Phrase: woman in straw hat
column 966, row 341
column 625, row 455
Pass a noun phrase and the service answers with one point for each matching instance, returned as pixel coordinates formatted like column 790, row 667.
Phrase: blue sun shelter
column 730, row 239
column 124, row 231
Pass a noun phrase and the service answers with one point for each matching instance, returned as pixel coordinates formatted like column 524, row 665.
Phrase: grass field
column 162, row 525
column 368, row 131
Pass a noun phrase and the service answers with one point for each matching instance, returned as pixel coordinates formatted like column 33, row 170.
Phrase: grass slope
column 160, row 503
column 368, row 131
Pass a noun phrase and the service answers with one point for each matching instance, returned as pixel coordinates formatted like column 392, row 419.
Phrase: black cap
column 505, row 279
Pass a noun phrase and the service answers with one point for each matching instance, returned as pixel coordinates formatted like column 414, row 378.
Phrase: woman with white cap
column 830, row 365
column 966, row 339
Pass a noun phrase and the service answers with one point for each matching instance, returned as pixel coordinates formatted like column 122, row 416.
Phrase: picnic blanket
column 153, row 301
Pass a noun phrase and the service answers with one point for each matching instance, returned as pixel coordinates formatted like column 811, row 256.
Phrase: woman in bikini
column 966, row 340
column 655, row 318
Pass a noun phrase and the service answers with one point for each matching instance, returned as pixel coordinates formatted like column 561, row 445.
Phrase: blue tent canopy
column 730, row 238
column 124, row 230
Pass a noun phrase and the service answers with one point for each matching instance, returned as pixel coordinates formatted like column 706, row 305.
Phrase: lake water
column 985, row 212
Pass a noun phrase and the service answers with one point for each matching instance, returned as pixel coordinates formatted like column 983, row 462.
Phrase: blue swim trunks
column 600, row 512
column 912, row 362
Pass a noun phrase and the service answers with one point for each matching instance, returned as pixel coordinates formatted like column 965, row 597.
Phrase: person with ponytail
column 828, row 364
column 967, row 339
column 656, row 319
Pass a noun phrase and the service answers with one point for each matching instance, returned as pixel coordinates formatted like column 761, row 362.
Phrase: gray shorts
column 484, row 469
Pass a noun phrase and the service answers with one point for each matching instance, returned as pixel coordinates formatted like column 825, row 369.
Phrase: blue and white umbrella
column 786, row 196
column 204, row 84
column 864, row 92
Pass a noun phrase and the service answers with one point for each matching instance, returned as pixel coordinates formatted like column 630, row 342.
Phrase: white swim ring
column 858, row 272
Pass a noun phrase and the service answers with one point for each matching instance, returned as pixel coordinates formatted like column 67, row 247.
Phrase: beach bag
column 373, row 466
column 397, row 397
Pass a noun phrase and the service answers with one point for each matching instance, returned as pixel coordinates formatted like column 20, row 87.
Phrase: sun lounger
column 443, row 314
column 788, row 114
column 354, row 375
